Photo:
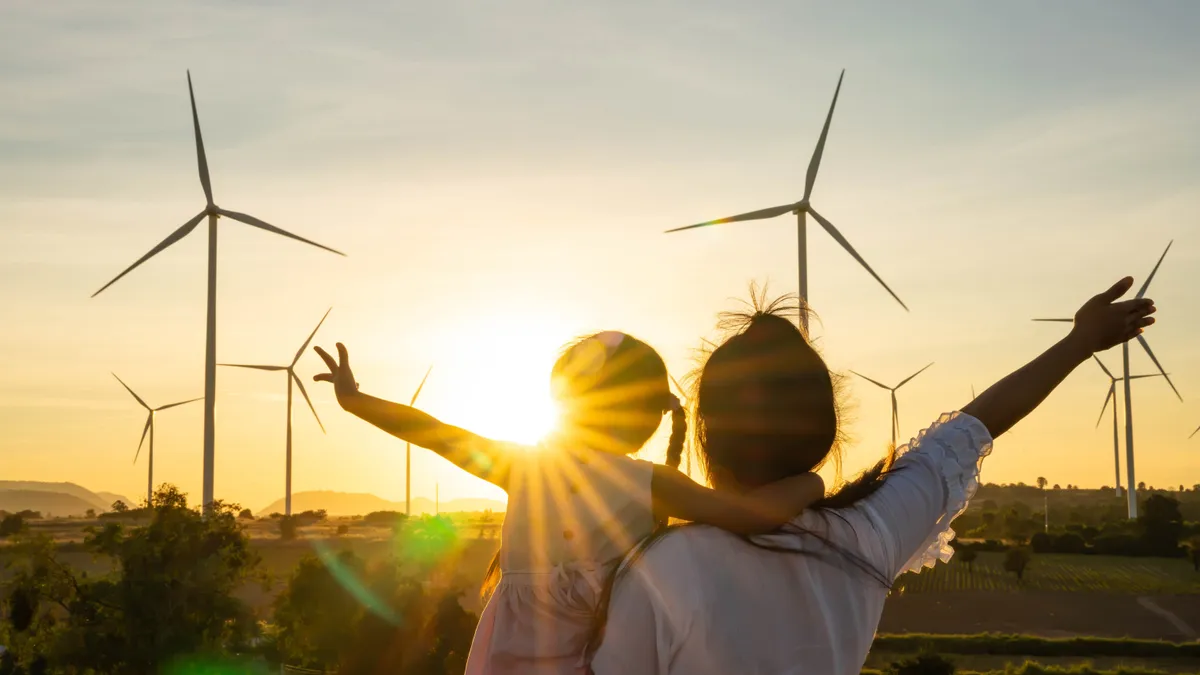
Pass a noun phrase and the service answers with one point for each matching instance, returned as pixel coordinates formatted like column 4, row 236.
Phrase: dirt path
column 1180, row 624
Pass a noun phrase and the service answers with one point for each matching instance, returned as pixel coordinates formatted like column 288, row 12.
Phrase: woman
column 697, row 600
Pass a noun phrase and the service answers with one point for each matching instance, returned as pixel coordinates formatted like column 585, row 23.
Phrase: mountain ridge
column 338, row 503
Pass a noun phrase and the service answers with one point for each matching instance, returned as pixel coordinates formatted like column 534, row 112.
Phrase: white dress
column 572, row 516
column 701, row 601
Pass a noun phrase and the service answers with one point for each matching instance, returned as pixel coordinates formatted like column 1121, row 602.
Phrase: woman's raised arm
column 1100, row 324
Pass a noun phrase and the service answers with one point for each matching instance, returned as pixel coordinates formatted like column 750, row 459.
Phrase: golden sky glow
column 501, row 177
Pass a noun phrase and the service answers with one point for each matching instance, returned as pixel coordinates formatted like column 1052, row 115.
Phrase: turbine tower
column 149, row 429
column 1130, row 482
column 290, row 369
column 895, row 409
column 802, row 209
column 408, row 451
column 1112, row 395
column 212, row 212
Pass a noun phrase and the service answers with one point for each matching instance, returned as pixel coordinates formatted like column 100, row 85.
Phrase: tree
column 968, row 556
column 120, row 506
column 1161, row 525
column 1141, row 486
column 11, row 524
column 246, row 514
column 91, row 513
column 1017, row 560
column 1056, row 486
column 343, row 529
column 171, row 594
column 1193, row 549
column 287, row 528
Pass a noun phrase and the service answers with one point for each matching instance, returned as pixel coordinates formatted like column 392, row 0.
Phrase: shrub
column 922, row 664
column 1017, row 561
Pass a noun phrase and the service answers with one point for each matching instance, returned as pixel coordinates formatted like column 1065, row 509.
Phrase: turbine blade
column 307, row 400
column 139, row 398
column 1146, row 284
column 906, row 380
column 895, row 414
column 1139, row 377
column 877, row 384
column 263, row 225
column 201, row 158
column 175, row 236
column 1146, row 346
column 174, row 405
column 1112, row 392
column 145, row 430
column 420, row 387
column 815, row 163
column 1057, row 320
column 972, row 392
column 310, row 337
column 243, row 365
column 761, row 214
column 833, row 232
column 1101, row 364
column 1194, row 432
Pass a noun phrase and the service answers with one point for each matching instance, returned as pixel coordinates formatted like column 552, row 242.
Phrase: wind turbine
column 149, row 428
column 802, row 209
column 408, row 452
column 1112, row 395
column 1130, row 483
column 212, row 212
column 895, row 409
column 290, row 369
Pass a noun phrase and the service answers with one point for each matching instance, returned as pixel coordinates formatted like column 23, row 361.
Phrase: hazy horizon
column 500, row 177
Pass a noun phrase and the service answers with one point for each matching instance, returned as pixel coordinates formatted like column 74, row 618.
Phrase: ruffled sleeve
column 933, row 479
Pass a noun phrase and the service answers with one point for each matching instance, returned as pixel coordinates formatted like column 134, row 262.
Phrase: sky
column 500, row 175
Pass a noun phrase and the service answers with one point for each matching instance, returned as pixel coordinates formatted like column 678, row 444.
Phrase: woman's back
column 716, row 604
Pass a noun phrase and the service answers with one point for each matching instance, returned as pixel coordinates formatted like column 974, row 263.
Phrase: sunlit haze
column 500, row 176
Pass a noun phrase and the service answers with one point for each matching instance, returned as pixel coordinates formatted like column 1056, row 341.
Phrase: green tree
column 1017, row 560
column 316, row 615
column 171, row 595
column 923, row 664
column 1160, row 525
column 119, row 506
column 13, row 523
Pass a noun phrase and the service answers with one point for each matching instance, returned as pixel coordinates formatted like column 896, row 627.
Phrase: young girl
column 577, row 503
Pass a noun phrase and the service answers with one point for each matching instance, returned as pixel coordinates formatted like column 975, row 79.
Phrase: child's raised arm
column 1100, row 324
column 483, row 457
column 763, row 510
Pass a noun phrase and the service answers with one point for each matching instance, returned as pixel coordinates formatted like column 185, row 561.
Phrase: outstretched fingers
column 1117, row 290
column 329, row 363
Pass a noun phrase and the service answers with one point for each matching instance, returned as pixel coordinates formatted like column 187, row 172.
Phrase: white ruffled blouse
column 701, row 601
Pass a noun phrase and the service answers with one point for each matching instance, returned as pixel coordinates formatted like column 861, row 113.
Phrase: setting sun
column 501, row 385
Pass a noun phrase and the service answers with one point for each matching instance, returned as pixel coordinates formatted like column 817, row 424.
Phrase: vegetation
column 1017, row 560
column 1058, row 572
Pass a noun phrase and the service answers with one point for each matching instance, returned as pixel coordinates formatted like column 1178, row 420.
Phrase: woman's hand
column 1103, row 322
column 339, row 374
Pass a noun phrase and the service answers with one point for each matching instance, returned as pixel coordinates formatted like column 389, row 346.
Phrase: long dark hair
column 765, row 349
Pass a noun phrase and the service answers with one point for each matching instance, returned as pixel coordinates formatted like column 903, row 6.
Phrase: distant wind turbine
column 290, row 369
column 1130, row 483
column 212, row 212
column 801, row 209
column 408, row 451
column 895, row 408
column 1194, row 432
column 149, row 429
column 1112, row 395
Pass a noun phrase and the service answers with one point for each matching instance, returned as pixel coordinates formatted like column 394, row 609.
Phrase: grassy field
column 1060, row 573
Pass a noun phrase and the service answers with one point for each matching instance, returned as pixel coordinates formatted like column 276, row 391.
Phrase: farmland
column 1060, row 573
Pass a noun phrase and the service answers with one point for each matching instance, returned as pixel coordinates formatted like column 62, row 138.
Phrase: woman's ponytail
column 678, row 433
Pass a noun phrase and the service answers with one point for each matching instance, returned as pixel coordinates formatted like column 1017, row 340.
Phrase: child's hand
column 339, row 374
column 1103, row 322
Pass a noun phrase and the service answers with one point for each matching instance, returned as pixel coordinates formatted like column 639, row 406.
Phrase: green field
column 1059, row 572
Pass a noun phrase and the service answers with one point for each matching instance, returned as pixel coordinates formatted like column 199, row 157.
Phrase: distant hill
column 112, row 497
column 48, row 503
column 360, row 503
column 69, row 508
